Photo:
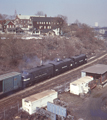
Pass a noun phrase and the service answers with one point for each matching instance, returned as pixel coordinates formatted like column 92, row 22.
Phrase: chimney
column 45, row 15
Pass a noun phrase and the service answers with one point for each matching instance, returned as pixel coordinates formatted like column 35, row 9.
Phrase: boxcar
column 9, row 82
column 37, row 74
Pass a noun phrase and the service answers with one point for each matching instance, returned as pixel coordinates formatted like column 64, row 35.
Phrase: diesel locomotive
column 14, row 80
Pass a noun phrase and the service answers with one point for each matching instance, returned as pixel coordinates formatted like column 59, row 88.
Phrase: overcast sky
column 85, row 11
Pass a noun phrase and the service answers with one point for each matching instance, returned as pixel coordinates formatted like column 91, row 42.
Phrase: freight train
column 14, row 80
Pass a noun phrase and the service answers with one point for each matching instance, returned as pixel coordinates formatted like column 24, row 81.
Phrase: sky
column 85, row 11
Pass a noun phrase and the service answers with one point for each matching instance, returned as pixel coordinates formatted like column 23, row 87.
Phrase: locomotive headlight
column 26, row 79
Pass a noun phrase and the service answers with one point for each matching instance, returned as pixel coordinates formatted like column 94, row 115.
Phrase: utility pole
column 41, row 43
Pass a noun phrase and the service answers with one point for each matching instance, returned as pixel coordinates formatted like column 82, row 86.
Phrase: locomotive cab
column 26, row 78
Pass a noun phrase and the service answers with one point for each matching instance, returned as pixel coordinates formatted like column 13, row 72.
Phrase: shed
column 98, row 72
column 29, row 104
column 80, row 86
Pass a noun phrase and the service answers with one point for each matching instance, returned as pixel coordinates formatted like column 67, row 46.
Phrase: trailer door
column 17, row 82
column 1, row 86
column 8, row 85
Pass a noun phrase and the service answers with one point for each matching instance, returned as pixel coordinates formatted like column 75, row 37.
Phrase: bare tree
column 40, row 13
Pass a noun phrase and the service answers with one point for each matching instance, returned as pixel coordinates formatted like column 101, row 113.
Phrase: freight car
column 9, row 82
column 14, row 80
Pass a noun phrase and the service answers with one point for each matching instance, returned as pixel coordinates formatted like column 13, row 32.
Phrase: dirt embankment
column 17, row 54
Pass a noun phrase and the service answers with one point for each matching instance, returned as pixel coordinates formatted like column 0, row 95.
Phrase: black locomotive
column 14, row 80
column 54, row 68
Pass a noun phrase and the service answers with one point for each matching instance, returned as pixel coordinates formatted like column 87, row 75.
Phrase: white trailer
column 80, row 86
column 30, row 103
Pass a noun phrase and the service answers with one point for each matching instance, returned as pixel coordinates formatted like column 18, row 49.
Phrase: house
column 24, row 22
column 19, row 30
column 101, row 32
column 9, row 27
column 37, row 25
column 44, row 24
column 1, row 25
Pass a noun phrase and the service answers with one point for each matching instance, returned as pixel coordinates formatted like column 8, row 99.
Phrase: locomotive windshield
column 25, row 73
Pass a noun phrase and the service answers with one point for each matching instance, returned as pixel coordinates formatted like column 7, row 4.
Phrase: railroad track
column 48, row 84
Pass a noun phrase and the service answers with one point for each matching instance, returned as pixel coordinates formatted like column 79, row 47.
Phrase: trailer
column 9, row 82
column 80, row 86
column 30, row 104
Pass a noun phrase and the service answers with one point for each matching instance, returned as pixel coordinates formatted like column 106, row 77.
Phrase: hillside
column 17, row 54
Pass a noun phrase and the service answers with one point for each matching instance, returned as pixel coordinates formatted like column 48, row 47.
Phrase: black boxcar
column 37, row 74
column 62, row 65
column 79, row 59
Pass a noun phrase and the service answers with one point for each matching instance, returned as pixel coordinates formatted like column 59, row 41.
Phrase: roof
column 97, row 69
column 79, row 56
column 59, row 61
column 27, row 16
column 11, row 29
column 85, row 79
column 8, row 22
column 46, row 30
column 45, row 19
column 7, row 75
column 40, row 95
column 38, row 68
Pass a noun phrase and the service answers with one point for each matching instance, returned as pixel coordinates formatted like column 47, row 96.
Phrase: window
column 48, row 27
column 40, row 27
column 10, row 26
column 49, row 23
column 46, row 22
column 7, row 26
column 37, row 31
column 44, row 27
column 40, row 22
